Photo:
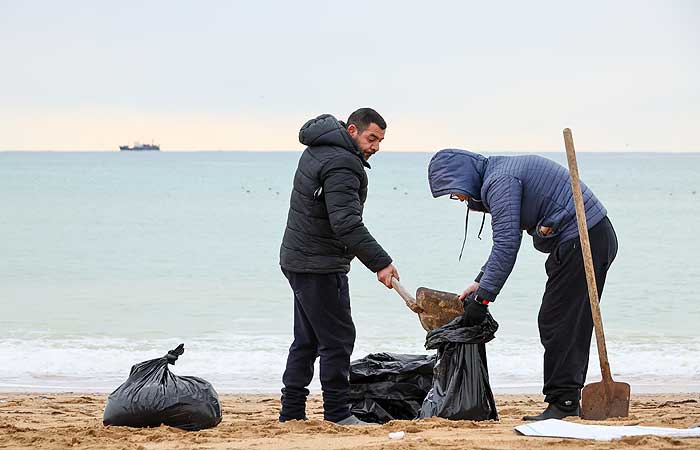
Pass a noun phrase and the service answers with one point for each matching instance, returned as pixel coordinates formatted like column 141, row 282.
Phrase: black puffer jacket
column 324, row 226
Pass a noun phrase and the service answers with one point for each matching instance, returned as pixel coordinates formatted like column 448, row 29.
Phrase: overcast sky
column 245, row 75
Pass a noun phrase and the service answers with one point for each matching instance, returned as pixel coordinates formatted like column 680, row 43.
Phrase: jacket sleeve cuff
column 380, row 263
column 478, row 277
column 488, row 295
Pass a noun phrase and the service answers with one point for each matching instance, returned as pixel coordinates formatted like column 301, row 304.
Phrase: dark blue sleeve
column 503, row 196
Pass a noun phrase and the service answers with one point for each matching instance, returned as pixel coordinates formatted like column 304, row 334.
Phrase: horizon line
column 384, row 151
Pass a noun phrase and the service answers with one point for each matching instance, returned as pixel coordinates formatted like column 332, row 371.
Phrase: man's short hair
column 363, row 117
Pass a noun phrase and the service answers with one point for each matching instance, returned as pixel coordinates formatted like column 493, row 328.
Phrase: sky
column 245, row 75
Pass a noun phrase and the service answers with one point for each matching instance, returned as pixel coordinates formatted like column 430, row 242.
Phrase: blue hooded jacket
column 521, row 193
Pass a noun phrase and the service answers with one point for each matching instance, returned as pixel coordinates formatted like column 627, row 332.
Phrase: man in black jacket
column 324, row 233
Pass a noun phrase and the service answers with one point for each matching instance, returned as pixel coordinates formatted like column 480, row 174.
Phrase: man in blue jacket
column 534, row 194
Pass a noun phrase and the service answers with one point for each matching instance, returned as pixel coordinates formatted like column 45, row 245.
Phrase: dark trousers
column 322, row 327
column 565, row 321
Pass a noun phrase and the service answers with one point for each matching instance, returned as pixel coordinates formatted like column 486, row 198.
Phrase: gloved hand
column 474, row 312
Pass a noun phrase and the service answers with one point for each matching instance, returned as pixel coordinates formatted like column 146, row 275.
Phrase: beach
column 71, row 420
column 131, row 240
column 198, row 204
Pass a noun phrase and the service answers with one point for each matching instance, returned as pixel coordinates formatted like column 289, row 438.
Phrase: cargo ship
column 140, row 148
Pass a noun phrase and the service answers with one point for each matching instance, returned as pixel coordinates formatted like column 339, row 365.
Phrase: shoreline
column 62, row 420
column 637, row 389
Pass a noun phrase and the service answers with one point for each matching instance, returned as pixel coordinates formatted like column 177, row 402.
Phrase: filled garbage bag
column 461, row 389
column 152, row 396
column 388, row 386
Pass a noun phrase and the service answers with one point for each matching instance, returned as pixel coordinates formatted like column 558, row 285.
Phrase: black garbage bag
column 388, row 386
column 152, row 396
column 461, row 389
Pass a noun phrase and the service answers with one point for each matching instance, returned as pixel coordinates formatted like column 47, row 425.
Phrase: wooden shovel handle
column 587, row 258
column 406, row 296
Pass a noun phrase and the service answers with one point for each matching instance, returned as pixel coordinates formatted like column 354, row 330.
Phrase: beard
column 366, row 154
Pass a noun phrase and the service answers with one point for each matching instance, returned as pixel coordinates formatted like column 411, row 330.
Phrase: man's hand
column 472, row 288
column 384, row 275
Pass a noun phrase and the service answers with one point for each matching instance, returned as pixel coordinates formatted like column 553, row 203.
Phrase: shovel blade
column 602, row 400
column 439, row 307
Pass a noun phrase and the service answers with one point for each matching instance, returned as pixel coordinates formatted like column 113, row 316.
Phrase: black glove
column 474, row 312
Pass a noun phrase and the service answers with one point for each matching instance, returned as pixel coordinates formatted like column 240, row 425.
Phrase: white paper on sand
column 562, row 429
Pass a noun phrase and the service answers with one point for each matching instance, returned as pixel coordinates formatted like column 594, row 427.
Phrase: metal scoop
column 434, row 308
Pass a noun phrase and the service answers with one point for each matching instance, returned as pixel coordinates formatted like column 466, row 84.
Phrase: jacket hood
column 327, row 130
column 457, row 171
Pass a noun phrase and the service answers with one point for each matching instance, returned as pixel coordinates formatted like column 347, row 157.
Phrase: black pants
column 322, row 327
column 565, row 320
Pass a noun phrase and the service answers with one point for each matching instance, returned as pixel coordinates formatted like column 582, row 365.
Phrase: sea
column 108, row 259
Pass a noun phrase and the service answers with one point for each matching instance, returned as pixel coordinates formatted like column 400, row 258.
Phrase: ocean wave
column 246, row 363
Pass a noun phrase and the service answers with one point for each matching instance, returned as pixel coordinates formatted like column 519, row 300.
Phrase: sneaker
column 558, row 411
column 351, row 420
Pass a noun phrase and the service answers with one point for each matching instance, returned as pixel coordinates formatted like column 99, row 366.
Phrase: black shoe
column 556, row 411
column 287, row 419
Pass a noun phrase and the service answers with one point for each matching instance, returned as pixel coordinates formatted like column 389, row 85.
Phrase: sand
column 59, row 421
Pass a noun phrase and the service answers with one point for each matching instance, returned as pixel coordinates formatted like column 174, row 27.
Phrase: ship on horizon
column 140, row 148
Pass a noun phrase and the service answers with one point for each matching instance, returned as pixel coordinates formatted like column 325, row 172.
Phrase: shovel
column 606, row 398
column 434, row 308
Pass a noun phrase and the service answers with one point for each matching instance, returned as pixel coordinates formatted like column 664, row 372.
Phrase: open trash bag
column 153, row 396
column 388, row 386
column 461, row 389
